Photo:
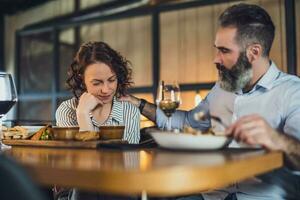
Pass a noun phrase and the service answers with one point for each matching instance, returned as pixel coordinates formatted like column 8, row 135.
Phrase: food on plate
column 87, row 135
column 16, row 132
column 210, row 131
column 44, row 133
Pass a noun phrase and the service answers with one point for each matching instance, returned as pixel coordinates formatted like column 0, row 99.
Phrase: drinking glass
column 8, row 96
column 168, row 99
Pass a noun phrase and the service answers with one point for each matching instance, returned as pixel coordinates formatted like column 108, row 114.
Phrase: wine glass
column 168, row 99
column 8, row 96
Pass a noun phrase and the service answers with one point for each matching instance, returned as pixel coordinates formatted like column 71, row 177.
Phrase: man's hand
column 254, row 130
column 149, row 109
column 132, row 99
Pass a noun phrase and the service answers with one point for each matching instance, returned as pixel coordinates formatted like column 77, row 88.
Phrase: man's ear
column 254, row 51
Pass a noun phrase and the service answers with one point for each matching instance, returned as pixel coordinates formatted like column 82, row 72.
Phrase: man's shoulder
column 289, row 80
column 288, row 85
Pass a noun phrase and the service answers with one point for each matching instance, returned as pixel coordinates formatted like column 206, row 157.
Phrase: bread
column 17, row 132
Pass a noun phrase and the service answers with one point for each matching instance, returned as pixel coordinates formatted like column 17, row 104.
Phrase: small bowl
column 111, row 132
column 64, row 133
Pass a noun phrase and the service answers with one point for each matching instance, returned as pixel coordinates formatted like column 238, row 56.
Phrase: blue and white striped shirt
column 122, row 114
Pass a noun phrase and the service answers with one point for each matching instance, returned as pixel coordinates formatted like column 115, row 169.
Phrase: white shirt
column 276, row 97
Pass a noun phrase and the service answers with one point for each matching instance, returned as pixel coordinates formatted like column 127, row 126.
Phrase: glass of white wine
column 168, row 99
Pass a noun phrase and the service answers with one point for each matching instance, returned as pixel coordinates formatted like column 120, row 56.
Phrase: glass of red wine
column 8, row 96
column 168, row 99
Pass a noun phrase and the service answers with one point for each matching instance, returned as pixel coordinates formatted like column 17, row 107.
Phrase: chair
column 15, row 184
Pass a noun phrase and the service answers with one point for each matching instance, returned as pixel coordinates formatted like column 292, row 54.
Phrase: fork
column 218, row 119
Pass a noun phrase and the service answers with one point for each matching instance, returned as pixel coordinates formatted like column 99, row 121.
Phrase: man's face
column 235, row 70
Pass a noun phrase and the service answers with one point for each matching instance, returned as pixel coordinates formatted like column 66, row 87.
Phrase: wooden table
column 155, row 171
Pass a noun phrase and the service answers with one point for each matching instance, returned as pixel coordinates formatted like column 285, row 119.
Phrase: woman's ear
column 254, row 51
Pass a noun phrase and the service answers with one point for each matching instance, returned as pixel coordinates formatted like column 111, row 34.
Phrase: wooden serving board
column 61, row 143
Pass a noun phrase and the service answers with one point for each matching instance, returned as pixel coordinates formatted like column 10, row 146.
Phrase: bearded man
column 260, row 102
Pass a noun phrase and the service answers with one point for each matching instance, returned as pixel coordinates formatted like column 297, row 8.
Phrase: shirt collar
column 117, row 111
column 268, row 79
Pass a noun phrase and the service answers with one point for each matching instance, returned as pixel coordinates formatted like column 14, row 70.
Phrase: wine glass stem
column 169, row 126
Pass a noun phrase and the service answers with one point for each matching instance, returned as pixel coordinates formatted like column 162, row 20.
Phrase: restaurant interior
column 164, row 40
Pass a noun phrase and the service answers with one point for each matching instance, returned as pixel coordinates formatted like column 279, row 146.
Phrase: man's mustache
column 225, row 71
column 220, row 67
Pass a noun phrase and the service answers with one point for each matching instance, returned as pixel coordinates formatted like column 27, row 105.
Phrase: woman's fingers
column 89, row 102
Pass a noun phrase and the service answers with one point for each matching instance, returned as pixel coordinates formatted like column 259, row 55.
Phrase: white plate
column 32, row 129
column 188, row 141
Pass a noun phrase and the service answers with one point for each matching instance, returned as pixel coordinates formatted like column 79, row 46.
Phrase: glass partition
column 36, row 63
column 40, row 110
column 67, row 50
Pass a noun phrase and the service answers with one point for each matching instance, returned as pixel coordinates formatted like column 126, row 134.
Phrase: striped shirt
column 122, row 114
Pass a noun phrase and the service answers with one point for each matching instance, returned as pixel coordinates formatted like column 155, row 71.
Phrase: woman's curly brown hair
column 98, row 52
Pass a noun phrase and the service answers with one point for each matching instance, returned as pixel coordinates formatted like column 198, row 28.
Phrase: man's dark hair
column 253, row 23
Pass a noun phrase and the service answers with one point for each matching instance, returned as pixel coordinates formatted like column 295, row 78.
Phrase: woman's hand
column 87, row 103
column 254, row 130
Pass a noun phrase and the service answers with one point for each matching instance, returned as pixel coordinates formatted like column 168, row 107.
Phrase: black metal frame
column 155, row 51
column 291, row 40
column 56, row 65
column 2, row 53
column 75, row 20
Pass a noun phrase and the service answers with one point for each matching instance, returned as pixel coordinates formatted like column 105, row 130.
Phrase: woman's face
column 101, row 81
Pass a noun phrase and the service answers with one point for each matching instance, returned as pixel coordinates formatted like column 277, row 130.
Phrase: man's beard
column 238, row 77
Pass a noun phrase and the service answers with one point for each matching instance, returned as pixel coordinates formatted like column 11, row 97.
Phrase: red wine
column 168, row 106
column 5, row 106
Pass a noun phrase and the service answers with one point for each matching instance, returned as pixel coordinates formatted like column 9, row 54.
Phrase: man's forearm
column 291, row 149
column 149, row 111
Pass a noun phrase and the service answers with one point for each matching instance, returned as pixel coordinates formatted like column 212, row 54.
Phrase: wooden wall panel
column 169, row 45
column 278, row 52
column 186, row 45
column 90, row 3
column 297, row 5
column 187, row 38
column 132, row 38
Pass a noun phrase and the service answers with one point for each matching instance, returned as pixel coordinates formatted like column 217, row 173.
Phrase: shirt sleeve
column 66, row 115
column 132, row 124
column 292, row 112
column 292, row 116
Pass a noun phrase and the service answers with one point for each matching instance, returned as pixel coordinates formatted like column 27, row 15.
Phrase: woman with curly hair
column 97, row 77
